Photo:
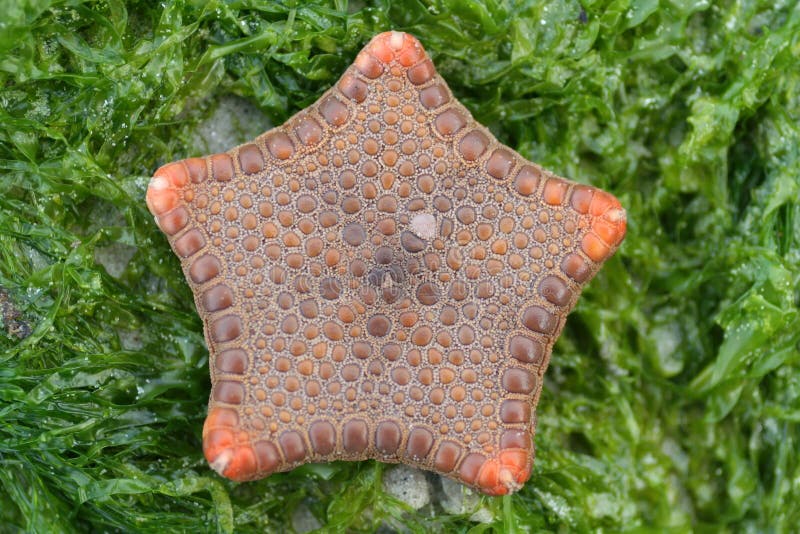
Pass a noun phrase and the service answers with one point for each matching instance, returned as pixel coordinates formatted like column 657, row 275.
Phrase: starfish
column 380, row 278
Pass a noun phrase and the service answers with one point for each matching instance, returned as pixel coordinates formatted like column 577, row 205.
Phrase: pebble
column 407, row 484
column 304, row 521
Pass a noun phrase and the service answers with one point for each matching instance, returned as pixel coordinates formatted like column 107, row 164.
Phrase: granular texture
column 380, row 278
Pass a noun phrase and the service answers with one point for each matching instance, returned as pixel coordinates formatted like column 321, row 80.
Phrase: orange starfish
column 380, row 278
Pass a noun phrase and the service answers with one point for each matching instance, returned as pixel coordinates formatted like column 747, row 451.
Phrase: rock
column 456, row 498
column 408, row 485
column 234, row 121
column 115, row 258
column 303, row 520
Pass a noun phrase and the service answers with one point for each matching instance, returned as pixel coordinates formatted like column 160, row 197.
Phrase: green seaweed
column 673, row 398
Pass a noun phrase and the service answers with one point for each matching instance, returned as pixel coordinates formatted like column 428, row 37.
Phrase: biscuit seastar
column 380, row 278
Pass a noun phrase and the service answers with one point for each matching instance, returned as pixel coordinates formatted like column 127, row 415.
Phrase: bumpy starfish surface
column 380, row 278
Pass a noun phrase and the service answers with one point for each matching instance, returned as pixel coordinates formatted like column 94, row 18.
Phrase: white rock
column 482, row 515
column 233, row 122
column 408, row 485
column 457, row 498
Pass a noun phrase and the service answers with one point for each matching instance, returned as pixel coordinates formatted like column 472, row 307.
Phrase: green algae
column 673, row 398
